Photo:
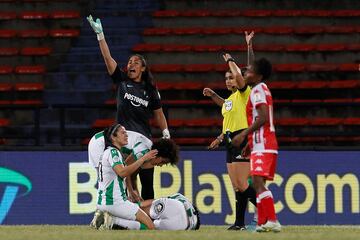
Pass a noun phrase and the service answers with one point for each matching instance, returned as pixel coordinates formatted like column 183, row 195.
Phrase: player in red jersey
column 261, row 142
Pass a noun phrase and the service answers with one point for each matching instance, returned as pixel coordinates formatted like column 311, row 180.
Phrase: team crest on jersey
column 228, row 105
column 159, row 207
column 257, row 97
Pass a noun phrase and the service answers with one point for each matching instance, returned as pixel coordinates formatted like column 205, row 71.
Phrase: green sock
column 143, row 226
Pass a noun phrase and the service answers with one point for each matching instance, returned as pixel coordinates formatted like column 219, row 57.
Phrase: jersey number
column 100, row 173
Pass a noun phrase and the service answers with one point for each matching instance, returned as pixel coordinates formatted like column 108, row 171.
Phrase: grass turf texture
column 42, row 232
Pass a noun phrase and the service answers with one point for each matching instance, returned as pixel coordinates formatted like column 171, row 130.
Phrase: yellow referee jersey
column 234, row 111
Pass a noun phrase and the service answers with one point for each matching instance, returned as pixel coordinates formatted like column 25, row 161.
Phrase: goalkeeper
column 137, row 99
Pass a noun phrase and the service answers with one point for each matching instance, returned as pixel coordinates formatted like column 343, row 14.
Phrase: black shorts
column 233, row 154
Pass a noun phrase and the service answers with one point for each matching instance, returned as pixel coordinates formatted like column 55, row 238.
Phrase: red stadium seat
column 241, row 30
column 207, row 48
column 321, row 67
column 344, row 84
column 224, row 67
column 316, row 13
column 338, row 100
column 147, row 47
column 308, row 30
column 195, row 13
column 29, row 87
column 32, row 69
column 235, row 47
column 217, row 30
column 300, row 47
column 349, row 67
column 165, row 85
column 7, row 15
column 281, row 85
column 166, row 13
column 286, row 13
column 6, row 69
column 339, row 29
column 278, row 30
column 33, row 33
column 33, row 15
column 289, row 67
column 5, row 102
column 268, row 47
column 187, row 31
column 353, row 46
column 188, row 86
column 226, row 13
column 166, row 68
column 4, row 122
column 205, row 102
column 8, row 51
column 345, row 13
column 326, row 121
column 193, row 141
column 203, row 122
column 176, row 122
column 281, row 100
column 85, row 141
column 288, row 139
column 35, row 51
column 306, row 100
column 6, row 33
column 352, row 121
column 157, row 31
column 64, row 14
column 64, row 33
column 313, row 139
column 330, row 47
column 179, row 102
column 256, row 13
column 312, row 84
column 292, row 121
column 110, row 102
column 5, row 87
column 176, row 48
column 199, row 67
column 27, row 102
column 103, row 123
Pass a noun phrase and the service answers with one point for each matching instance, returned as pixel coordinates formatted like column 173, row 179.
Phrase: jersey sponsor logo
column 159, row 207
column 136, row 101
column 228, row 105
column 257, row 97
column 13, row 180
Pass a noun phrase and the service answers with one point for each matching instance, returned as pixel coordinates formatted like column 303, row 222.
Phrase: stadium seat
column 179, row 102
column 226, row 13
column 195, row 13
column 316, row 13
column 321, row 67
column 330, row 47
column 165, row 85
column 311, row 84
column 103, row 123
column 35, row 51
column 8, row 51
column 175, row 48
column 352, row 121
column 268, row 47
column 198, row 67
column 27, row 102
column 29, row 86
column 7, row 15
column 7, row 33
column 323, row 121
column 217, row 30
column 241, row 29
column 147, row 47
column 6, row 69
column 292, row 121
column 157, row 31
column 345, row 13
column 234, row 47
column 339, row 29
column 64, row 14
column 286, row 13
column 278, row 30
column 166, row 13
column 33, row 15
column 289, row 67
column 188, row 86
column 186, row 31
column 4, row 122
column 338, row 100
column 202, row 122
column 353, row 46
column 349, row 67
column 256, row 13
column 64, row 33
column 166, row 68
column 33, row 33
column 308, row 30
column 207, row 48
column 176, row 122
column 282, row 139
column 312, row 101
column 300, row 47
column 34, row 69
column 281, row 85
column 5, row 87
column 344, row 84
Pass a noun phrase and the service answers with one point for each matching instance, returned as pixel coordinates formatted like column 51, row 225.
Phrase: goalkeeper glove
column 97, row 27
column 166, row 133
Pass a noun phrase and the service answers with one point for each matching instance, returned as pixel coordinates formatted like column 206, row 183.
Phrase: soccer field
column 42, row 232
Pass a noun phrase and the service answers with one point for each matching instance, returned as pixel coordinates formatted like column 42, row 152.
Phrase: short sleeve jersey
column 264, row 139
column 234, row 110
column 135, row 103
column 111, row 187
column 190, row 210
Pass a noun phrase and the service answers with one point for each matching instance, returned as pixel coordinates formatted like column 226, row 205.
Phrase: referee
column 138, row 100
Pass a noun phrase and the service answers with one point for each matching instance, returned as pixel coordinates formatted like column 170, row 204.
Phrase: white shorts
column 125, row 210
column 169, row 214
column 95, row 151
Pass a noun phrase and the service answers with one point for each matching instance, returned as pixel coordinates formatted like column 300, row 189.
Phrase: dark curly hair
column 167, row 148
column 263, row 67
column 198, row 217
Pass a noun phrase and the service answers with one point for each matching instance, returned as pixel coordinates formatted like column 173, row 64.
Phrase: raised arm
column 161, row 121
column 250, row 51
column 109, row 61
column 235, row 70
column 208, row 92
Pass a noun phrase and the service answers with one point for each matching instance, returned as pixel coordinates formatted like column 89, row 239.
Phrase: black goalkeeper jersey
column 135, row 103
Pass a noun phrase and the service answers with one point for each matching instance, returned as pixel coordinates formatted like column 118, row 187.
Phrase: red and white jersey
column 264, row 139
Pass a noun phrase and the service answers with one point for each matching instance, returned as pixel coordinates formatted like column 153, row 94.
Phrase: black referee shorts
column 233, row 154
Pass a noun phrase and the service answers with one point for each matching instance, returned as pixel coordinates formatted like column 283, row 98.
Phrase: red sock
column 267, row 203
column 261, row 213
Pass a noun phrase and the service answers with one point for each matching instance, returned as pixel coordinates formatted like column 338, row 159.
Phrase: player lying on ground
column 172, row 213
column 112, row 172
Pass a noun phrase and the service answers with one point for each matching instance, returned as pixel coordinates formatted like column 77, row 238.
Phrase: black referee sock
column 147, row 183
column 241, row 204
column 250, row 193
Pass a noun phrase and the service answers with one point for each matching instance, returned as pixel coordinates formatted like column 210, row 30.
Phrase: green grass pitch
column 42, row 232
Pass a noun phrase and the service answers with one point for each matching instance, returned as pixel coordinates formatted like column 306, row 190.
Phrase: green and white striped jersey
column 111, row 187
column 190, row 210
